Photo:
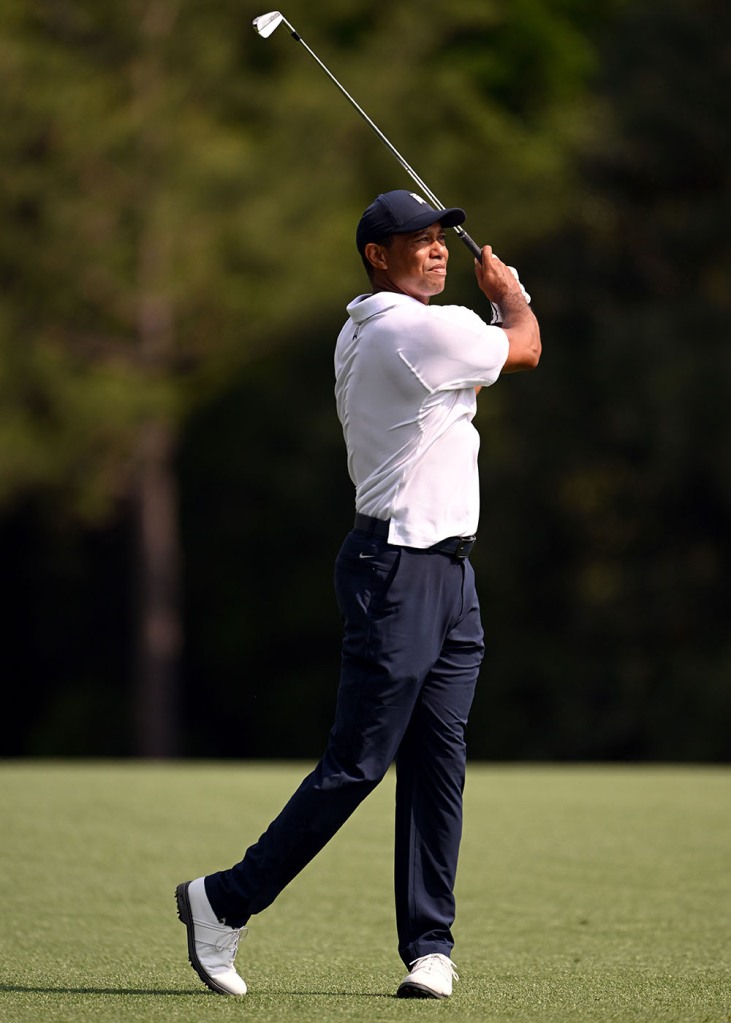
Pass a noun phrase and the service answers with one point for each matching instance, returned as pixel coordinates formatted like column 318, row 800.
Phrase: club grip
column 470, row 243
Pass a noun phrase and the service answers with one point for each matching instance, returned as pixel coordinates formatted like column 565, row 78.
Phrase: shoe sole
column 185, row 915
column 417, row 991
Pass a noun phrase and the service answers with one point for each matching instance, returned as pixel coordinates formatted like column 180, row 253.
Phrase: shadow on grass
column 32, row 990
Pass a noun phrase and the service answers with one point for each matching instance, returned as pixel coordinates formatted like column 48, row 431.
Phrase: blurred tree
column 116, row 174
column 179, row 200
column 629, row 653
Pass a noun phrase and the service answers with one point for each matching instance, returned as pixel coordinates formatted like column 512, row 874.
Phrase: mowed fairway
column 586, row 893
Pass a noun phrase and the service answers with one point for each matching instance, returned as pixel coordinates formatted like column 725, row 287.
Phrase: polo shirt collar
column 365, row 306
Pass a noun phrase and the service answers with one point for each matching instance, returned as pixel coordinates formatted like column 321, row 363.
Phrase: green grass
column 585, row 894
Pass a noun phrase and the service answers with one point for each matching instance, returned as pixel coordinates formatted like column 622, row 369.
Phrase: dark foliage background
column 179, row 201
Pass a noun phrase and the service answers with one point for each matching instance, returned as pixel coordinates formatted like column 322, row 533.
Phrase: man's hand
column 496, row 280
column 500, row 284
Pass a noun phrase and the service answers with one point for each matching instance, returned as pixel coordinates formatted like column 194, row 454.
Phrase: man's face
column 416, row 263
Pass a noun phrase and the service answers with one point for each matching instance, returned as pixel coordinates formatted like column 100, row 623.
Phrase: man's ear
column 376, row 256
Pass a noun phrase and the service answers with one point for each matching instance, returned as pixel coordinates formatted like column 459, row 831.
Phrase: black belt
column 457, row 546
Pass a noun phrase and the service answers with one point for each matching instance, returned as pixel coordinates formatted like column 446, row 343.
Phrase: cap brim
column 451, row 217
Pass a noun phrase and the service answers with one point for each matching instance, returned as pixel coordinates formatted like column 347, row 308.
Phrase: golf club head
column 265, row 24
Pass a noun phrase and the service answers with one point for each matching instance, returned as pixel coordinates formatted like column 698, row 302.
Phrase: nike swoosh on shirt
column 364, row 556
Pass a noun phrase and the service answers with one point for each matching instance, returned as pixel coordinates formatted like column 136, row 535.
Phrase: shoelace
column 434, row 963
column 230, row 943
column 223, row 939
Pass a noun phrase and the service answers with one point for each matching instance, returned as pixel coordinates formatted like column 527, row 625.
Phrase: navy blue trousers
column 412, row 649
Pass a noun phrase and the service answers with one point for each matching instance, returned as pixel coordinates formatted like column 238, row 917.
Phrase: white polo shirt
column 405, row 378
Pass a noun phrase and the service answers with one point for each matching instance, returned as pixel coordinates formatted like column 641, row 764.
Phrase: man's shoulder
column 457, row 315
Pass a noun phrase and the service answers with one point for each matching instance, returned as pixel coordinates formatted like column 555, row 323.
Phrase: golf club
column 265, row 24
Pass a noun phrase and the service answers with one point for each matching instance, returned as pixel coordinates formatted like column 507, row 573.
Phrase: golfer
column 407, row 377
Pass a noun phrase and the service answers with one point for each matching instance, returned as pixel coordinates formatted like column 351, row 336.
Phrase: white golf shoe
column 430, row 976
column 212, row 945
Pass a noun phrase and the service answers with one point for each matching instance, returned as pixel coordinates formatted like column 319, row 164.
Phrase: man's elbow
column 524, row 357
column 533, row 355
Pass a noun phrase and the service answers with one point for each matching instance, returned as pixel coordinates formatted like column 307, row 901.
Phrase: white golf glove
column 497, row 316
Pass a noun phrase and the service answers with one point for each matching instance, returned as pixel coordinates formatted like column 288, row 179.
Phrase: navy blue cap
column 401, row 212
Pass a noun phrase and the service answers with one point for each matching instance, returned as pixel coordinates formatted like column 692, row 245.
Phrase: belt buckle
column 464, row 546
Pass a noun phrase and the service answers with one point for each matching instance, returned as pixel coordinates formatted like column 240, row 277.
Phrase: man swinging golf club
column 407, row 376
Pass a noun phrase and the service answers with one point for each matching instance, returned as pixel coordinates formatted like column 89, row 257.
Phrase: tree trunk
column 157, row 542
column 157, row 558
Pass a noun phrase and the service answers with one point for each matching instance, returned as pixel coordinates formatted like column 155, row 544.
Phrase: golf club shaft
column 468, row 241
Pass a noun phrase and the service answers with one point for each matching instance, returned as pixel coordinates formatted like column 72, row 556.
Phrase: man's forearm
column 524, row 335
